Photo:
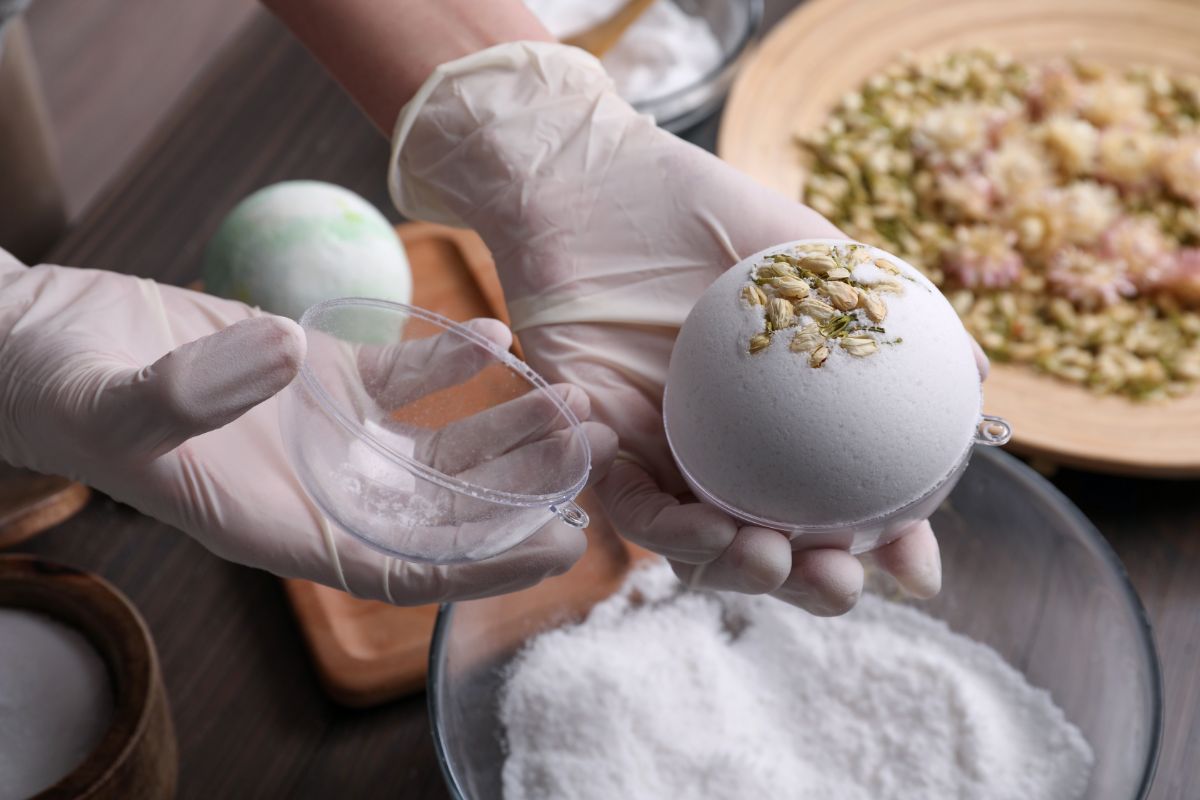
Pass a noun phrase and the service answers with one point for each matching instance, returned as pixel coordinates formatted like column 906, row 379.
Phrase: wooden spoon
column 600, row 39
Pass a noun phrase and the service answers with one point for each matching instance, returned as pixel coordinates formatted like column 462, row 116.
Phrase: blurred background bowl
column 737, row 24
column 1025, row 572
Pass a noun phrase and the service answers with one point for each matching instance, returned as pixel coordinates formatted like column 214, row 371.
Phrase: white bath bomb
column 294, row 244
column 886, row 417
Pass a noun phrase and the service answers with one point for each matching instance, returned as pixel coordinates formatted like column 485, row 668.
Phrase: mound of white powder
column 663, row 693
column 665, row 50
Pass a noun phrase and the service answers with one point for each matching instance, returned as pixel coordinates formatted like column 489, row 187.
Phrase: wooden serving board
column 368, row 652
column 829, row 47
column 30, row 503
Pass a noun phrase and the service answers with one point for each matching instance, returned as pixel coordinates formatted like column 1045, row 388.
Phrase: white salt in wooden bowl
column 136, row 757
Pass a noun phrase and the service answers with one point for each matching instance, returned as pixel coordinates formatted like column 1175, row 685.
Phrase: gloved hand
column 163, row 398
column 606, row 230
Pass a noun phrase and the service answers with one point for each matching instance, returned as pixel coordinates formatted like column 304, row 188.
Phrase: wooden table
column 251, row 720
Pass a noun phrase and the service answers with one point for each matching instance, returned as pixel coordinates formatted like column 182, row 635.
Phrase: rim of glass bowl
column 754, row 20
column 426, row 472
column 1036, row 485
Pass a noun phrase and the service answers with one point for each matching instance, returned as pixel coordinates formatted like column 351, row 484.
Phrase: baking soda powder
column 665, row 50
column 663, row 693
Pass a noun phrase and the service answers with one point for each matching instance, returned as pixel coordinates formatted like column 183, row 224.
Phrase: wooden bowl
column 829, row 47
column 136, row 758
column 30, row 503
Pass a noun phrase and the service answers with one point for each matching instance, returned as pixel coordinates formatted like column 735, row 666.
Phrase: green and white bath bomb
column 294, row 244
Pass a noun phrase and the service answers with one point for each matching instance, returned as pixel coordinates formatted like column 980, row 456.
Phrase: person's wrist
column 381, row 52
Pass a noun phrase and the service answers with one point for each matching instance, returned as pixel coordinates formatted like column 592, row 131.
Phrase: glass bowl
column 737, row 25
column 1025, row 572
column 426, row 439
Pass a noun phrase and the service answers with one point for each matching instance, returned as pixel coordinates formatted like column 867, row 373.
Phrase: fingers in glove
column 10, row 263
column 400, row 373
column 914, row 560
column 756, row 562
column 823, row 582
column 482, row 437
column 693, row 533
column 532, row 468
column 201, row 386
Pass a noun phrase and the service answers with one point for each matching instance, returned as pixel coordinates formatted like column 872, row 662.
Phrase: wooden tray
column 368, row 652
column 30, row 503
column 828, row 47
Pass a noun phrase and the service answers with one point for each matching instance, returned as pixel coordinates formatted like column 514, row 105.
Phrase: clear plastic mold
column 424, row 438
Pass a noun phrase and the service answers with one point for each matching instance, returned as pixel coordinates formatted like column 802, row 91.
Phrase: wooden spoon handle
column 601, row 38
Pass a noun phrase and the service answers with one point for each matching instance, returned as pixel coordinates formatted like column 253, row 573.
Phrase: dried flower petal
column 818, row 356
column 807, row 339
column 817, row 309
column 842, row 295
column 838, row 274
column 791, row 288
column 759, row 342
column 766, row 272
column 819, row 264
column 780, row 313
column 754, row 295
column 859, row 345
column 873, row 304
column 887, row 266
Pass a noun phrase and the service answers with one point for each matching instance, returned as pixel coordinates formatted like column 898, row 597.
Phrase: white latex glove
column 163, row 398
column 606, row 230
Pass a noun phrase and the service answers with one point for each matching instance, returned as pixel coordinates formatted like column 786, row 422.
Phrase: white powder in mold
column 665, row 50
column 663, row 693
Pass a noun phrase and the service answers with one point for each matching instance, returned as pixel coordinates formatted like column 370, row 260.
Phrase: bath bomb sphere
column 294, row 244
column 821, row 383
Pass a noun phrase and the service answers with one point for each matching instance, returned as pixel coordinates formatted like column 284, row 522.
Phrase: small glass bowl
column 868, row 534
column 737, row 25
column 425, row 439
column 1024, row 572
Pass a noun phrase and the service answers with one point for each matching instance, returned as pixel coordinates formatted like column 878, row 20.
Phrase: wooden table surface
column 251, row 719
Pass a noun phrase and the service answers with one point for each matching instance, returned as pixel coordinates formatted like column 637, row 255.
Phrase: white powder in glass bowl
column 664, row 51
column 663, row 693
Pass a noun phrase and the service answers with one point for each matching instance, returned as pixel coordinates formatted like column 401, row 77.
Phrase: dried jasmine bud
column 791, row 288
column 815, row 308
column 780, row 314
column 819, row 264
column 807, row 339
column 843, row 296
column 754, row 295
column 859, row 345
column 874, row 306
